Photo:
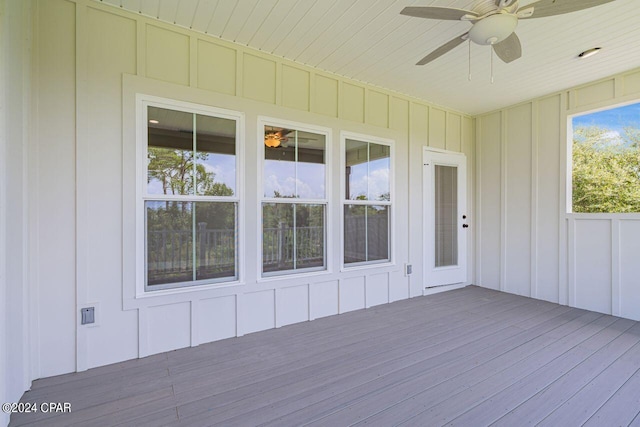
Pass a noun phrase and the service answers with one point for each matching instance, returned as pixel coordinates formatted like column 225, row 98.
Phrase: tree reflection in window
column 294, row 200
column 179, row 164
column 367, row 202
column 190, row 156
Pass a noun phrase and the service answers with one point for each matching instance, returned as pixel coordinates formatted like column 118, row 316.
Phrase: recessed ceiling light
column 589, row 52
column 155, row 122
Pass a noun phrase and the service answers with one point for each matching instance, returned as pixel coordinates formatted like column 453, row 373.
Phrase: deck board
column 536, row 398
column 366, row 365
column 622, row 407
column 352, row 356
column 443, row 400
column 472, row 356
column 581, row 406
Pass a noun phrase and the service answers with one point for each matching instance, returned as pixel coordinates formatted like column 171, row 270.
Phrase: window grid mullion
column 188, row 198
column 193, row 204
column 193, row 238
column 194, row 151
column 295, row 251
column 368, row 167
column 285, row 200
column 366, row 233
column 367, row 202
column 295, row 163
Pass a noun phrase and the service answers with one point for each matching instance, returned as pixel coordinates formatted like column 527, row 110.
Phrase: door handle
column 465, row 225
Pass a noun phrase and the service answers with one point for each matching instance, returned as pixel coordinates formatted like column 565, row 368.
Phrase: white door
column 445, row 217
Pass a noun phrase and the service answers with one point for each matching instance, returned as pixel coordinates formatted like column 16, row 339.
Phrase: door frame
column 428, row 238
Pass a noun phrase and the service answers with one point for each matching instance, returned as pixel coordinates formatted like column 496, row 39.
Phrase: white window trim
column 142, row 102
column 304, row 272
column 344, row 135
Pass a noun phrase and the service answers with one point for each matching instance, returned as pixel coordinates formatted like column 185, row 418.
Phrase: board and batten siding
column 90, row 60
column 527, row 243
column 15, row 93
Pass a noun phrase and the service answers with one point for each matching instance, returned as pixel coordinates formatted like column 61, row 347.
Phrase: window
column 367, row 204
column 294, row 203
column 606, row 161
column 189, row 195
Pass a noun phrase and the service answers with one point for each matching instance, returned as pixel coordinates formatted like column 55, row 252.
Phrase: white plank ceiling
column 369, row 41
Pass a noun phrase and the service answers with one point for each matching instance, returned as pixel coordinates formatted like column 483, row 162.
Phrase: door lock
column 465, row 225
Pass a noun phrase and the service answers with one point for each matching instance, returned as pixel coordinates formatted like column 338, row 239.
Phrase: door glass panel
column 446, row 214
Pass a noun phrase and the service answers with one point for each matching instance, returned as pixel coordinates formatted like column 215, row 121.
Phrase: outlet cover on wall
column 408, row 269
column 89, row 314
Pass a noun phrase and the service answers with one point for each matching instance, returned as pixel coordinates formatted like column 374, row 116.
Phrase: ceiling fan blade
column 508, row 49
column 443, row 49
column 434, row 12
column 544, row 8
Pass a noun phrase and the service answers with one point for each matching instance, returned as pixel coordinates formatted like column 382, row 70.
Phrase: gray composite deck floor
column 467, row 357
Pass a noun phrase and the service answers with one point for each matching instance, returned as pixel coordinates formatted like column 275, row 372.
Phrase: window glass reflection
column 294, row 164
column 379, row 165
column 215, row 156
column 170, row 152
column 169, row 244
column 309, row 236
column 193, row 240
column 293, row 236
column 277, row 237
column 357, row 158
column 355, row 234
column 377, row 233
column 215, row 240
column 279, row 172
column 366, row 233
column 367, row 171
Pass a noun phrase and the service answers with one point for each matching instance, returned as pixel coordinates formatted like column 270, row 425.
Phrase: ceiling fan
column 275, row 137
column 494, row 22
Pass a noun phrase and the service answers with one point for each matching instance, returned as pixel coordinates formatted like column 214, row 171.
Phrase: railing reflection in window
column 277, row 244
column 170, row 251
column 293, row 236
column 366, row 233
column 170, row 254
column 172, row 229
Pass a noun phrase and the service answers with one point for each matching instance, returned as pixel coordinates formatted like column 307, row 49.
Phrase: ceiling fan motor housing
column 493, row 29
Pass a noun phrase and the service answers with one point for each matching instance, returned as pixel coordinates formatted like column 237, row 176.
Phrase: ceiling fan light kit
column 494, row 22
column 493, row 29
column 273, row 139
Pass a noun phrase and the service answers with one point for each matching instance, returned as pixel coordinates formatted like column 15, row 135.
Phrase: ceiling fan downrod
column 469, row 59
column 491, row 65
